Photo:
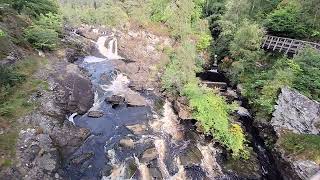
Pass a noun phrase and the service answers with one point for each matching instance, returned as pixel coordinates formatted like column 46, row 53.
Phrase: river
column 136, row 140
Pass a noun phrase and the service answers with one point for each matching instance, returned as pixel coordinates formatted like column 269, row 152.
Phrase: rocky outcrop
column 68, row 138
column 182, row 109
column 138, row 129
column 115, row 100
column 95, row 114
column 38, row 157
column 149, row 155
column 74, row 90
column 297, row 113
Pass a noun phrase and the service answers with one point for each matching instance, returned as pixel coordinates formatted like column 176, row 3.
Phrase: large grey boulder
column 306, row 168
column 74, row 90
column 297, row 113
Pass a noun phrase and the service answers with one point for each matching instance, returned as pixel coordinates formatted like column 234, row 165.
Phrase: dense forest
column 231, row 31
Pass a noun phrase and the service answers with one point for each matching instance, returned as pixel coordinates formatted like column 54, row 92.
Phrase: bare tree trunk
column 95, row 5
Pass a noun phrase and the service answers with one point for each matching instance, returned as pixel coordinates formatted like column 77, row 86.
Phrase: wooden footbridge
column 287, row 45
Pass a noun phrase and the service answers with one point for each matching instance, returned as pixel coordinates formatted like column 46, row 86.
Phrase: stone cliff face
column 47, row 137
column 296, row 113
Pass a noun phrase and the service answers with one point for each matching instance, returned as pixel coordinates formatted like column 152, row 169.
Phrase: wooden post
column 270, row 42
column 283, row 43
column 265, row 41
column 275, row 46
column 289, row 46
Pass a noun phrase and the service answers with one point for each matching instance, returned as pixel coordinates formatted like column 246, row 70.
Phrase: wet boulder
column 126, row 143
column 230, row 94
column 115, row 99
column 82, row 158
column 243, row 112
column 191, row 156
column 149, row 155
column 135, row 100
column 138, row 129
column 182, row 110
column 68, row 138
column 74, row 90
column 73, row 55
column 155, row 173
column 95, row 114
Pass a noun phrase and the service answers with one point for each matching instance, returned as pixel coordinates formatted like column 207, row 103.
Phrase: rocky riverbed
column 103, row 116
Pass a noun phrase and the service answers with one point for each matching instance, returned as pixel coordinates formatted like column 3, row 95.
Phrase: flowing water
column 157, row 144
column 135, row 142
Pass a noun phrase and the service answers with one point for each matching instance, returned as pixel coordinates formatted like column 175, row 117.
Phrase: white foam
column 71, row 117
column 111, row 52
column 93, row 59
column 208, row 163
column 169, row 123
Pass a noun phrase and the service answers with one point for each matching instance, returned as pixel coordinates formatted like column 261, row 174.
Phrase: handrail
column 287, row 45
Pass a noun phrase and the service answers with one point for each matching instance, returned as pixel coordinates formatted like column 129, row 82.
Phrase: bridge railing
column 286, row 45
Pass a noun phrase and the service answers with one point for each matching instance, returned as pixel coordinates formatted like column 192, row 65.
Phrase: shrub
column 308, row 79
column 212, row 110
column 285, row 20
column 181, row 69
column 44, row 33
column 204, row 42
column 304, row 146
column 46, row 39
column 35, row 8
column 50, row 21
column 108, row 14
column 2, row 33
column 160, row 10
column 8, row 79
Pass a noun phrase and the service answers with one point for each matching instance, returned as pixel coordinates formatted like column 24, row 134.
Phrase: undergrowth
column 17, row 85
column 301, row 146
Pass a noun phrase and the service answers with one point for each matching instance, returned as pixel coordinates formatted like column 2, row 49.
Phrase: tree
column 35, row 7
column 308, row 80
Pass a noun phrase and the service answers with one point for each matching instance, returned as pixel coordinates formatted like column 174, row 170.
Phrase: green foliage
column 2, row 33
column 245, row 49
column 285, row 21
column 50, row 21
column 307, row 80
column 160, row 10
column 35, row 8
column 181, row 69
column 44, row 33
column 19, row 84
column 107, row 14
column 247, row 39
column 8, row 79
column 212, row 111
column 204, row 42
column 297, row 19
column 46, row 39
column 305, row 146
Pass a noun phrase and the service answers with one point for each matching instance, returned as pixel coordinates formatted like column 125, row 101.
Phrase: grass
column 301, row 146
column 15, row 104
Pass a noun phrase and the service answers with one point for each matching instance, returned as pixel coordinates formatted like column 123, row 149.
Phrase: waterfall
column 111, row 53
